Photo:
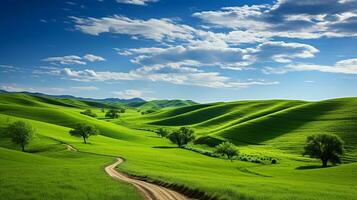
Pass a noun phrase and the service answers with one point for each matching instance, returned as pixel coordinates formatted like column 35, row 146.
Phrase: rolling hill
column 282, row 124
column 272, row 128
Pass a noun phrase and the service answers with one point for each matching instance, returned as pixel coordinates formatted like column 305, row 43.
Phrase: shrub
column 89, row 113
column 112, row 114
column 162, row 132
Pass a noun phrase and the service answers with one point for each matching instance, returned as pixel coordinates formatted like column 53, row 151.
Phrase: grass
column 80, row 175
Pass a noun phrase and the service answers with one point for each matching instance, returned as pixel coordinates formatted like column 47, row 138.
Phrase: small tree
column 325, row 147
column 112, row 114
column 182, row 136
column 84, row 131
column 89, row 113
column 228, row 149
column 162, row 132
column 20, row 133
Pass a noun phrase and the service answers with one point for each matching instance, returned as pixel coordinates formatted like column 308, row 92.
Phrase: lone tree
column 182, row 136
column 325, row 147
column 20, row 133
column 162, row 132
column 228, row 149
column 112, row 114
column 84, row 131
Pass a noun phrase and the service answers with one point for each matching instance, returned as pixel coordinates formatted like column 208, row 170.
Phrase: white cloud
column 155, row 29
column 283, row 52
column 288, row 18
column 129, row 94
column 73, row 59
column 137, row 2
column 66, row 60
column 172, row 74
column 93, row 58
column 223, row 57
column 348, row 66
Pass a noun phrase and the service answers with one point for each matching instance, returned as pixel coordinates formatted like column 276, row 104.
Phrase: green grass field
column 274, row 128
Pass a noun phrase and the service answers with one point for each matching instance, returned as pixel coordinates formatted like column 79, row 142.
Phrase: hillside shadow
column 164, row 147
column 270, row 127
column 307, row 167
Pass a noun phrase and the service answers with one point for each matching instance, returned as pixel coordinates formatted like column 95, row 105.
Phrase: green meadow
column 261, row 130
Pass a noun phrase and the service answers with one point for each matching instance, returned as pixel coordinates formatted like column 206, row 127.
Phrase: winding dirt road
column 148, row 190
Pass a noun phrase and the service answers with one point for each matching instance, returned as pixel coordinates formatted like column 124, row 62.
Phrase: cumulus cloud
column 224, row 57
column 348, row 66
column 283, row 52
column 73, row 59
column 137, row 2
column 155, row 29
column 289, row 18
column 171, row 74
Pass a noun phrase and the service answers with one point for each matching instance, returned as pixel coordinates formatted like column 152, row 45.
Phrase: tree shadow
column 311, row 167
column 164, row 147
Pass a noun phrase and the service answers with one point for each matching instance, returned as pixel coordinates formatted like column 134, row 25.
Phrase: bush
column 162, row 132
column 89, row 113
column 112, row 114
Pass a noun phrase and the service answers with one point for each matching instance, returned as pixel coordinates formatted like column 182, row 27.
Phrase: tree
column 89, row 113
column 20, row 133
column 162, row 132
column 182, row 136
column 228, row 149
column 326, row 147
column 84, row 131
column 112, row 114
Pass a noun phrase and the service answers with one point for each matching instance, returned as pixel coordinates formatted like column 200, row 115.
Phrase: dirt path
column 148, row 190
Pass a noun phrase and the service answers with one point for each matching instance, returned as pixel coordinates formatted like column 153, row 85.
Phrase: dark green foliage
column 121, row 110
column 228, row 149
column 182, row 136
column 83, row 130
column 89, row 113
column 162, row 132
column 20, row 133
column 112, row 114
column 148, row 111
column 326, row 147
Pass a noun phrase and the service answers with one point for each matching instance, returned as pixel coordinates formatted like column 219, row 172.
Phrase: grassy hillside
column 49, row 170
column 282, row 124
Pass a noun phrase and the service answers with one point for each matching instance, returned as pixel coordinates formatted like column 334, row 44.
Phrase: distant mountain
column 138, row 103
column 106, row 100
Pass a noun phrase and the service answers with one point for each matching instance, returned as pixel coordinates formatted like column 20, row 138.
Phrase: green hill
column 273, row 128
column 283, row 124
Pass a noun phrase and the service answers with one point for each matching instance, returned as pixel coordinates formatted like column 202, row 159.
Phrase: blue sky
column 216, row 50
